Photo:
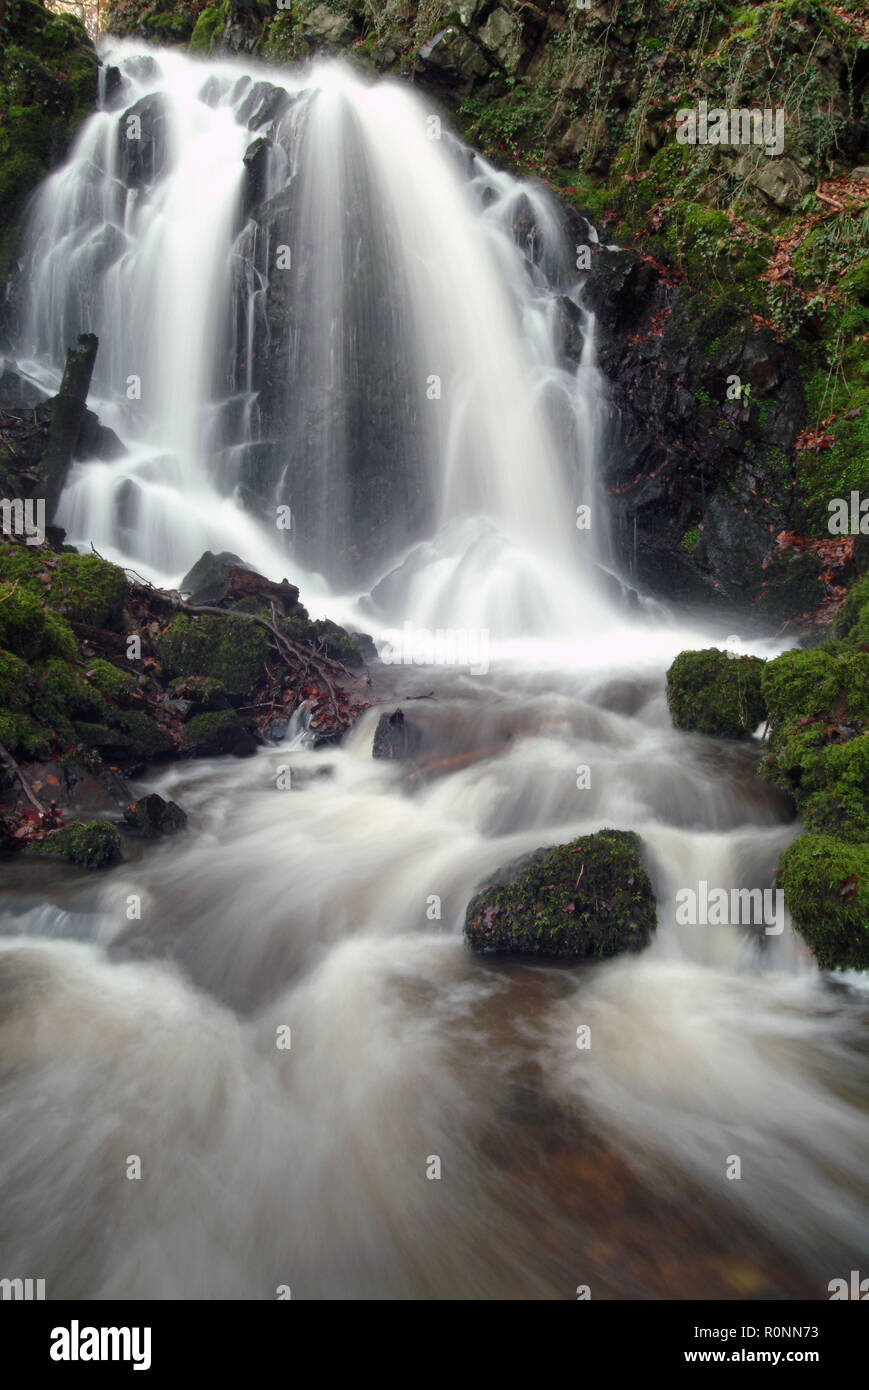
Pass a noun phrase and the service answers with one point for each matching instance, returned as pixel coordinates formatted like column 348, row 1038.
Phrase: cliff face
column 48, row 85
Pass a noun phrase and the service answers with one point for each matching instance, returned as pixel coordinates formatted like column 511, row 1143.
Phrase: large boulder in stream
column 589, row 898
column 715, row 692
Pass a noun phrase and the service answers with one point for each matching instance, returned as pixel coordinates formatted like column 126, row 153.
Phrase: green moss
column 16, row 682
column 851, row 623
column 150, row 740
column 23, row 563
column 59, row 639
column 23, row 737
column 62, row 695
column 48, row 83
column 210, row 25
column 838, row 802
column 231, row 652
column 591, row 897
column 818, row 746
column 89, row 590
column 118, row 685
column 713, row 692
column 828, row 682
column 209, row 735
column 22, row 622
column 90, row 845
column 826, row 888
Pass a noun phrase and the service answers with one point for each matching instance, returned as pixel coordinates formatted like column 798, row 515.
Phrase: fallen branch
column 28, row 790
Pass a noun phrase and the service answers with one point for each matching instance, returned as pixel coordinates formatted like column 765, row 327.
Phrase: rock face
column 714, row 692
column 699, row 479
column 590, row 898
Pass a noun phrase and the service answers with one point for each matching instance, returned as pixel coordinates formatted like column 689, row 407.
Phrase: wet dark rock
column 395, row 738
column 96, row 441
column 699, row 484
column 16, row 393
column 589, row 898
column 262, row 105
column 142, row 156
column 204, row 582
column 113, row 84
column 256, row 166
column 451, row 59
column 152, row 817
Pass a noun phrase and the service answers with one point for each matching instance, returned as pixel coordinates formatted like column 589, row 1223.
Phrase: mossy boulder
column 28, row 629
column 826, row 887
column 818, row 704
column 88, row 844
column 211, row 735
column 589, row 898
column 715, row 692
column 89, row 590
column 229, row 651
column 118, row 685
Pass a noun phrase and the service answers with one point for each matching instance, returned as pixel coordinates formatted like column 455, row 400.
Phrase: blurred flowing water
column 334, row 908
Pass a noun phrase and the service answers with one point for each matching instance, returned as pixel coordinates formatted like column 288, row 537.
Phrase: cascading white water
column 153, row 263
column 312, row 909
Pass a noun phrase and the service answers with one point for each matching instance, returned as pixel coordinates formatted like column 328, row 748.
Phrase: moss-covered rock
column 229, row 651
column 826, row 888
column 210, row 735
column 715, row 692
column 589, row 898
column 89, row 590
column 28, row 629
column 818, row 703
column 90, row 845
column 118, row 685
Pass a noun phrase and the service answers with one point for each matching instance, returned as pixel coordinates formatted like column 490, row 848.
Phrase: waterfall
column 330, row 338
column 314, row 305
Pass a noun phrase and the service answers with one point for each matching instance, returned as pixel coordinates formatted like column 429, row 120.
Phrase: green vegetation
column 715, row 692
column 826, row 887
column 591, row 897
column 231, row 653
column 48, row 84
column 90, row 845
